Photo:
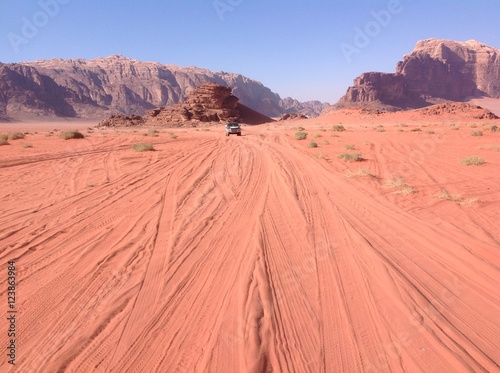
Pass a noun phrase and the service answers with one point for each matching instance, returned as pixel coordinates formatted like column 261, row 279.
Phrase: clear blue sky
column 294, row 47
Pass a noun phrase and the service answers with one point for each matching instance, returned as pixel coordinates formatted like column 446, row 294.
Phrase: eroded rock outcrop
column 208, row 103
column 458, row 108
column 435, row 71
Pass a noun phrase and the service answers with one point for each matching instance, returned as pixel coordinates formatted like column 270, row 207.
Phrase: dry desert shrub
column 312, row 144
column 476, row 133
column 325, row 142
column 469, row 201
column 143, row 147
column 380, row 129
column 360, row 172
column 300, row 135
column 15, row 135
column 472, row 160
column 444, row 194
column 3, row 142
column 430, row 132
column 405, row 190
column 71, row 135
column 316, row 135
column 26, row 145
column 172, row 135
column 338, row 128
column 447, row 196
column 401, row 186
column 491, row 147
column 298, row 129
column 416, row 129
column 350, row 147
column 351, row 157
column 320, row 155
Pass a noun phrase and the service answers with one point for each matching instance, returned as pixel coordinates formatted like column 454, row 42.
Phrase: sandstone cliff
column 116, row 84
column 435, row 71
column 208, row 103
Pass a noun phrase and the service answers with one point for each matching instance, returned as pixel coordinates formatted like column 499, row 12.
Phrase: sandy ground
column 255, row 253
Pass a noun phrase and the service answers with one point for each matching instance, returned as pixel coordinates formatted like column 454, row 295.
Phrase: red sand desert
column 255, row 253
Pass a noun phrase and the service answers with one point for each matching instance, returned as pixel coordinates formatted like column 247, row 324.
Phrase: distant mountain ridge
column 435, row 71
column 116, row 84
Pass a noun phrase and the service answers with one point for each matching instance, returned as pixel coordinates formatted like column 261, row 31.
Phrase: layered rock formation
column 435, row 71
column 118, row 85
column 308, row 108
column 208, row 103
column 458, row 108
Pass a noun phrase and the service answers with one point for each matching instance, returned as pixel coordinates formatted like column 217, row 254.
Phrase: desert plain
column 256, row 253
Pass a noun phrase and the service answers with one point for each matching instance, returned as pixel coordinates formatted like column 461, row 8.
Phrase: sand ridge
column 255, row 253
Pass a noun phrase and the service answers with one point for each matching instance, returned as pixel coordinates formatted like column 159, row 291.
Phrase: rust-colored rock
column 462, row 108
column 209, row 102
column 118, row 120
column 293, row 116
column 435, row 71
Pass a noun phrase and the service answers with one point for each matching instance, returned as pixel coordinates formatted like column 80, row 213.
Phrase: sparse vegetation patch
column 476, row 133
column 71, row 135
column 445, row 195
column 143, row 147
column 300, row 135
column 360, row 172
column 351, row 157
column 401, row 186
column 312, row 144
column 16, row 135
column 338, row 128
column 472, row 160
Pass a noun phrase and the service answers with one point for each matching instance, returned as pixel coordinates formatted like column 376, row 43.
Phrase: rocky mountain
column 116, row 84
column 435, row 71
column 308, row 108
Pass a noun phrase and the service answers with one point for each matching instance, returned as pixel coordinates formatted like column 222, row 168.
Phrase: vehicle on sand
column 233, row 128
